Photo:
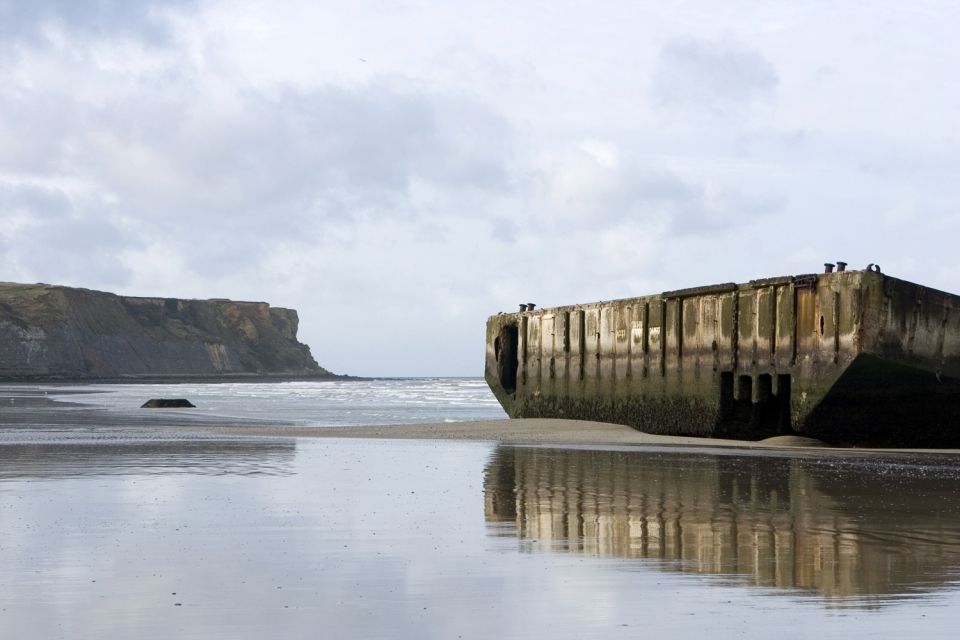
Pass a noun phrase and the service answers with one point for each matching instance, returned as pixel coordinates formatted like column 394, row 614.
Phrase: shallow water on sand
column 441, row 540
column 149, row 532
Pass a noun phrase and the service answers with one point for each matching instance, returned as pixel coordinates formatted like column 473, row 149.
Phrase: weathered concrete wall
column 746, row 360
column 50, row 332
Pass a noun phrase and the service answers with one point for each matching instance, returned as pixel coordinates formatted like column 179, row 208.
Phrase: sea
column 325, row 403
column 118, row 522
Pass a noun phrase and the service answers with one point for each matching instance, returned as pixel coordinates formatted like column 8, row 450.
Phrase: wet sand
column 557, row 432
column 167, row 523
column 531, row 431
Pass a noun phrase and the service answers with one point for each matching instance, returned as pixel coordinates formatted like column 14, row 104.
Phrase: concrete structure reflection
column 842, row 528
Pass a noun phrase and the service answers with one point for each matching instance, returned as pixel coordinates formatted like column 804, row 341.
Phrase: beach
column 168, row 523
column 530, row 431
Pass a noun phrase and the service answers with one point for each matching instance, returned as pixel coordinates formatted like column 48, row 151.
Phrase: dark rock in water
column 167, row 403
column 60, row 333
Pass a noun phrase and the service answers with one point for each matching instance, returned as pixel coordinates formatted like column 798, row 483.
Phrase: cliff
column 53, row 332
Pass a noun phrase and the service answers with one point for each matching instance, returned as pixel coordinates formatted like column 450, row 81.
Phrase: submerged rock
column 167, row 403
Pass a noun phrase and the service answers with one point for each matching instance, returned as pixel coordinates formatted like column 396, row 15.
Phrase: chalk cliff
column 53, row 332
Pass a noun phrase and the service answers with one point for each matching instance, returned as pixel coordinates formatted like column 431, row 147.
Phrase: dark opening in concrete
column 752, row 411
column 765, row 414
column 505, row 346
column 726, row 395
column 743, row 409
column 783, row 403
column 764, row 388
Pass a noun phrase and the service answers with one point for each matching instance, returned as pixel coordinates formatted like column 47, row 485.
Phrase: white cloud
column 399, row 172
column 712, row 76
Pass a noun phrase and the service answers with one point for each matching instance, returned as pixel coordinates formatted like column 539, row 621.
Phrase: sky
column 399, row 171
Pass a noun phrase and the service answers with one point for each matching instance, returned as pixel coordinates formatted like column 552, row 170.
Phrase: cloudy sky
column 398, row 171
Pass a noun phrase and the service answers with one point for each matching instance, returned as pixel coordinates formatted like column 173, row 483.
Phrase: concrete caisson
column 850, row 357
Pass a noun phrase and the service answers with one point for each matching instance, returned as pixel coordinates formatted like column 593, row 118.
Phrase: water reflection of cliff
column 843, row 528
column 42, row 438
column 112, row 456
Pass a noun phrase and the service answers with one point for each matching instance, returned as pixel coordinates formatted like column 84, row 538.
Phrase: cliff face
column 59, row 332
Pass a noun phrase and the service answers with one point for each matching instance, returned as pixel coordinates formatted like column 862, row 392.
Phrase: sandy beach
column 556, row 432
column 527, row 431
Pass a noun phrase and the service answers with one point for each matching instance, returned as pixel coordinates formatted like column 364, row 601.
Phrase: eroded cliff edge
column 51, row 332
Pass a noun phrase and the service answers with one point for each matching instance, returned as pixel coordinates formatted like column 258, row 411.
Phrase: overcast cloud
column 719, row 77
column 399, row 171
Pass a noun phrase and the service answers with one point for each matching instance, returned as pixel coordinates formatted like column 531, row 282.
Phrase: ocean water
column 116, row 526
column 331, row 403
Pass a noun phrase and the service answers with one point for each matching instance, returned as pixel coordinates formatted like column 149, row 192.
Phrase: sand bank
column 554, row 432
column 533, row 431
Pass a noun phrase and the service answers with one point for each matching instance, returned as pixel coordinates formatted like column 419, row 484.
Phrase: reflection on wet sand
column 41, row 437
column 121, row 455
column 864, row 531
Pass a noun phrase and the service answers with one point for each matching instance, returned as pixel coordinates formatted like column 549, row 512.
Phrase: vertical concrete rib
column 735, row 333
column 793, row 322
column 581, row 339
column 663, row 337
column 836, row 326
column 774, row 318
column 645, row 339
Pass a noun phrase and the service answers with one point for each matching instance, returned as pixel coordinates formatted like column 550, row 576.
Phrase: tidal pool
column 167, row 535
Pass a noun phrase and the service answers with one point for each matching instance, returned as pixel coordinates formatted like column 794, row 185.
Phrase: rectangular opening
column 726, row 395
column 766, row 411
column 764, row 388
column 743, row 405
column 505, row 349
column 783, row 403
